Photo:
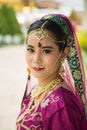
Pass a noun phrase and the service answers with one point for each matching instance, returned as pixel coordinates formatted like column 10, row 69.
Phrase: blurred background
column 15, row 18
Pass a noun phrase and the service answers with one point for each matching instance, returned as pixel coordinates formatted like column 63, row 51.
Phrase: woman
column 55, row 97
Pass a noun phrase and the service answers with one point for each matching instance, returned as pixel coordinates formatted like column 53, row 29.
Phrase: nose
column 37, row 58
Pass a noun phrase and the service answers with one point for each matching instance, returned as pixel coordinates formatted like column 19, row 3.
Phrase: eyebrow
column 30, row 46
column 47, row 47
column 43, row 47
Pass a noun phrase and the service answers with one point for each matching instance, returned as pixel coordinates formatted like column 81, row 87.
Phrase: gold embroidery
column 72, row 51
column 51, row 100
column 25, row 127
column 33, row 115
column 45, row 103
column 77, row 74
column 40, row 95
column 36, row 115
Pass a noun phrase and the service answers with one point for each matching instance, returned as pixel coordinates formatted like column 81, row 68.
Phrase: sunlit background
column 15, row 18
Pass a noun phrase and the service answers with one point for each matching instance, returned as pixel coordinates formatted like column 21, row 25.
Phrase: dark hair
column 53, row 27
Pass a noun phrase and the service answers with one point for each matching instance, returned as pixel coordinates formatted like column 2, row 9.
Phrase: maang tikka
column 41, row 33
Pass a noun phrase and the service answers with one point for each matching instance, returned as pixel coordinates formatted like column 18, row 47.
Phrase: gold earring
column 28, row 70
column 61, row 69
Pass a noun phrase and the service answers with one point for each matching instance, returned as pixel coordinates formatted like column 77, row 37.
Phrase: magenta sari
column 55, row 113
column 62, row 109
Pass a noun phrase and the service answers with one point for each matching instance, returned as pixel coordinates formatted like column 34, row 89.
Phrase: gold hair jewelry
column 39, row 93
column 50, row 37
column 41, row 33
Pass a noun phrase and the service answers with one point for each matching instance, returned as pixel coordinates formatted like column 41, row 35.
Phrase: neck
column 45, row 81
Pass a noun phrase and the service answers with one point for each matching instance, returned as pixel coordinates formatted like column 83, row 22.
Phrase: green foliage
column 82, row 38
column 10, row 30
column 8, row 21
column 3, row 24
column 84, row 55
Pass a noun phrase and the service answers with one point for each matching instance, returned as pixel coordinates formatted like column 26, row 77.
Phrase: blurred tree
column 8, row 21
column 4, row 28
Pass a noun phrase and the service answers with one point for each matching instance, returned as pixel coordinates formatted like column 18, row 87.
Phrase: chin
column 39, row 76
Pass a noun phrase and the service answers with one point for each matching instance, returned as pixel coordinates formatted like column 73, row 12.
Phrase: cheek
column 28, row 58
column 50, row 60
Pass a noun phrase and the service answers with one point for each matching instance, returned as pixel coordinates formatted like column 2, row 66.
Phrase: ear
column 65, row 53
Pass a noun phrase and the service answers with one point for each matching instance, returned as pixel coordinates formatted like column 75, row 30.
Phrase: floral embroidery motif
column 77, row 74
column 74, row 63
column 72, row 52
column 51, row 100
column 54, row 98
column 45, row 103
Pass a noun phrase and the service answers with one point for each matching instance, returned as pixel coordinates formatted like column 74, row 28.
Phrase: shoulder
column 60, row 99
column 62, row 111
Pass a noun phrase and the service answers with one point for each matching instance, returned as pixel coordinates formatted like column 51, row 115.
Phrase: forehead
column 32, row 38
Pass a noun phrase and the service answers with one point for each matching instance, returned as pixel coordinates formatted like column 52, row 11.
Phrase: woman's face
column 42, row 57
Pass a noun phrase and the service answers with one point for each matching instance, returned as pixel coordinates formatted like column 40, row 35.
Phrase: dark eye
column 46, row 51
column 30, row 50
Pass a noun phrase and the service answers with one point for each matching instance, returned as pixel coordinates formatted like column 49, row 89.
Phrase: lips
column 38, row 69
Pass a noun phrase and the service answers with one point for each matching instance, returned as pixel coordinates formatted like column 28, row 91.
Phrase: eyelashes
column 44, row 51
column 30, row 50
column 47, row 51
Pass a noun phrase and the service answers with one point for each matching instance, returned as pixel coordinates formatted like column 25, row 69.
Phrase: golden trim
column 39, row 96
